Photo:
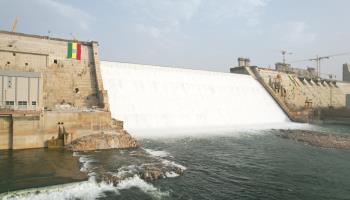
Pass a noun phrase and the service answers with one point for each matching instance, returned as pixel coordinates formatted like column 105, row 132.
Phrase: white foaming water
column 150, row 97
column 161, row 155
column 157, row 153
column 236, row 131
column 171, row 174
column 86, row 165
column 137, row 182
column 172, row 163
column 88, row 190
column 82, row 190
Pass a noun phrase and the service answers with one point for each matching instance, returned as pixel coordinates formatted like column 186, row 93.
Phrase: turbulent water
column 151, row 97
column 233, row 165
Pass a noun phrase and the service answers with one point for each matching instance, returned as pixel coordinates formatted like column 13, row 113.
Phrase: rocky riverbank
column 145, row 165
column 154, row 170
column 109, row 140
column 315, row 138
column 127, row 164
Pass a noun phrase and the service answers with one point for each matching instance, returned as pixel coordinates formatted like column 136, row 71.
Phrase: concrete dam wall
column 43, row 90
column 152, row 97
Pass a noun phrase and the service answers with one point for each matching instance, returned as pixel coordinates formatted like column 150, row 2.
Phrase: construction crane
column 318, row 60
column 14, row 25
column 284, row 53
column 318, row 63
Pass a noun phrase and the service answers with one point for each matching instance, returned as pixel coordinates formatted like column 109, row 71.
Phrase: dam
column 54, row 84
column 45, row 90
column 154, row 97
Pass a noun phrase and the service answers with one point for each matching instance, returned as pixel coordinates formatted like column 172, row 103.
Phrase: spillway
column 153, row 97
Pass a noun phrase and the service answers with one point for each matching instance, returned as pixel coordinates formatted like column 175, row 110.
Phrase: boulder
column 115, row 140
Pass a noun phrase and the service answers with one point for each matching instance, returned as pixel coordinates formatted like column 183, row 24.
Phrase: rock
column 145, row 166
column 114, row 140
column 150, row 174
column 154, row 171
column 147, row 172
column 314, row 138
column 111, row 179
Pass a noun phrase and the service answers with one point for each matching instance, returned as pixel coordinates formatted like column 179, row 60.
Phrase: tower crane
column 318, row 60
column 284, row 53
column 318, row 63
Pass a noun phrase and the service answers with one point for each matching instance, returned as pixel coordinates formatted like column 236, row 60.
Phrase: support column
column 102, row 94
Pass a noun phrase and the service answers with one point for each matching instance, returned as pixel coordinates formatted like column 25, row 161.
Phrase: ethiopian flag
column 74, row 50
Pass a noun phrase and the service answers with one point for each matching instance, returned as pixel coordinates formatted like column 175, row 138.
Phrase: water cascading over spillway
column 151, row 97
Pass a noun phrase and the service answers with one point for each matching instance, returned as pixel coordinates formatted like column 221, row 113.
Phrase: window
column 10, row 103
column 33, row 103
column 22, row 104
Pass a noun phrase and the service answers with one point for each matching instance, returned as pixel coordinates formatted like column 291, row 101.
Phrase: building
column 20, row 90
column 243, row 64
column 346, row 72
column 47, row 84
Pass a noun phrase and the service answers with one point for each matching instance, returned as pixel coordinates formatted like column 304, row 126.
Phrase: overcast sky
column 198, row 34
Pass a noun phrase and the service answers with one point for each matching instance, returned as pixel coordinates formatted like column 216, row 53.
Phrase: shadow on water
column 20, row 169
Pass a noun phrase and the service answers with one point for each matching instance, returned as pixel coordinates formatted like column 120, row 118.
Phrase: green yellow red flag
column 74, row 50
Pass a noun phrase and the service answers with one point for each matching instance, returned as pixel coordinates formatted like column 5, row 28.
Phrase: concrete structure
column 300, row 93
column 243, row 62
column 287, row 68
column 20, row 90
column 348, row 101
column 346, row 72
column 241, row 68
column 43, row 91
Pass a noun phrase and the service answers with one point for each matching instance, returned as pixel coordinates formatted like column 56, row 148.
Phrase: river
column 250, row 164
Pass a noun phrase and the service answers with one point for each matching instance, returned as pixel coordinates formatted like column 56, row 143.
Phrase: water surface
column 237, row 165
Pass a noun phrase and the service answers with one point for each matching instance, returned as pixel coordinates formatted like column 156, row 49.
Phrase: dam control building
column 47, row 84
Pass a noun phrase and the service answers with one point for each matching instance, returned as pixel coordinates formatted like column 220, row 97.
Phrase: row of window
column 19, row 103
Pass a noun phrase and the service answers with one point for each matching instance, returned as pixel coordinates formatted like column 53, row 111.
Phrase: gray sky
column 198, row 34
